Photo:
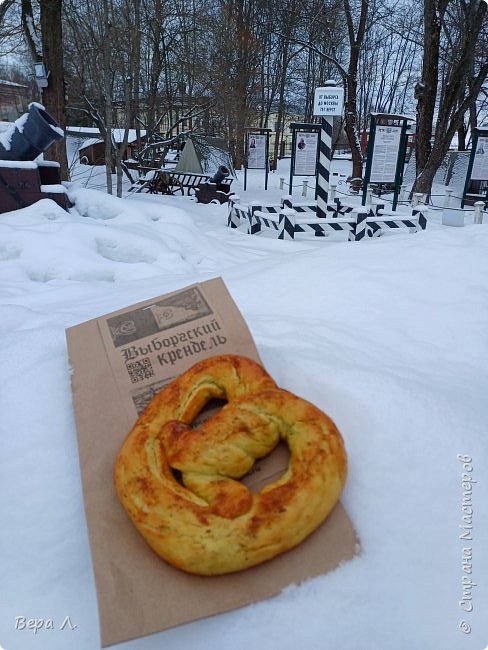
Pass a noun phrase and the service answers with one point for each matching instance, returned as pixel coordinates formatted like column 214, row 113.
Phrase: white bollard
column 478, row 211
column 417, row 199
column 447, row 198
column 304, row 188
column 332, row 192
column 282, row 182
column 401, row 196
column 369, row 195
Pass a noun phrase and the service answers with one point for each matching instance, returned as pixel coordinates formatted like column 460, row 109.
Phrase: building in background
column 14, row 100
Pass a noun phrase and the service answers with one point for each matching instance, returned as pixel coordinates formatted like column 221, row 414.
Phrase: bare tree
column 356, row 21
column 106, row 64
column 4, row 9
column 356, row 39
column 237, row 29
column 389, row 66
column 46, row 45
column 447, row 86
column 54, row 96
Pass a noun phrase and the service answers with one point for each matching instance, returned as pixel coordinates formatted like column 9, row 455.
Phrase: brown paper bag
column 119, row 361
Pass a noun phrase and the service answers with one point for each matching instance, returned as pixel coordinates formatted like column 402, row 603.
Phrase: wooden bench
column 159, row 181
column 164, row 183
column 144, row 181
column 188, row 180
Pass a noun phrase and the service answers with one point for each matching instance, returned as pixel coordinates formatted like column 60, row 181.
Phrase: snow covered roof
column 93, row 132
column 89, row 142
column 5, row 82
column 394, row 116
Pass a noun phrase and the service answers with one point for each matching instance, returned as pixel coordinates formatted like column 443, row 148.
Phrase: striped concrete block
column 262, row 216
column 264, row 221
column 359, row 215
column 300, row 207
column 378, row 225
column 324, row 227
column 270, row 209
column 286, row 224
column 233, row 220
column 420, row 212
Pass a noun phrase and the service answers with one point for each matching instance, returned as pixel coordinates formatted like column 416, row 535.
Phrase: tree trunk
column 458, row 91
column 53, row 96
column 351, row 126
column 423, row 183
column 49, row 49
column 426, row 90
column 351, row 130
column 462, row 136
column 280, row 113
column 107, row 92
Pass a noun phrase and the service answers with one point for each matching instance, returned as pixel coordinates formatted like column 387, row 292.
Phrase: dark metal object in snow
column 23, row 181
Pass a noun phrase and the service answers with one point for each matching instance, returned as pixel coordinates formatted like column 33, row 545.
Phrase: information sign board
column 305, row 153
column 328, row 101
column 256, row 151
column 385, row 154
column 479, row 171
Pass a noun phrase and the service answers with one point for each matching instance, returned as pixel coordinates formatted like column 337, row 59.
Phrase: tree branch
column 342, row 71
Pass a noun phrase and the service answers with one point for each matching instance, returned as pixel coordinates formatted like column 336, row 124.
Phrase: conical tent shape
column 204, row 155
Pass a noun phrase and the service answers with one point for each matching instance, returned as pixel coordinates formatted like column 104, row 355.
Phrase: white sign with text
column 306, row 153
column 328, row 101
column 480, row 162
column 256, row 151
column 385, row 154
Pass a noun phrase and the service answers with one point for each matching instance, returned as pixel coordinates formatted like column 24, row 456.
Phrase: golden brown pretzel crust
column 214, row 524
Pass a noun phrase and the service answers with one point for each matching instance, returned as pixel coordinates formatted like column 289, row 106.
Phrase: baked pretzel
column 212, row 524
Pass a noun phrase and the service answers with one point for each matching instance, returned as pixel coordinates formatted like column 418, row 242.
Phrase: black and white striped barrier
column 378, row 224
column 288, row 222
column 333, row 210
column 268, row 217
column 289, row 203
column 237, row 214
column 261, row 221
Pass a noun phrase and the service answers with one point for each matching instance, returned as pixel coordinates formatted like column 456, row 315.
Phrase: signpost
column 257, row 152
column 385, row 154
column 387, row 145
column 477, row 174
column 328, row 101
column 304, row 150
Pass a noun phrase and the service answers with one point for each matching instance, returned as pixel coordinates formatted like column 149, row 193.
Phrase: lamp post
column 41, row 76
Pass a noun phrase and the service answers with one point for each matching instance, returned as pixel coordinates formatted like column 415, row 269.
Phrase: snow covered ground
column 389, row 336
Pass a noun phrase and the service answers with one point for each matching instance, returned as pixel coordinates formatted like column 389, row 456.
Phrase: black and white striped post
column 329, row 101
column 323, row 168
